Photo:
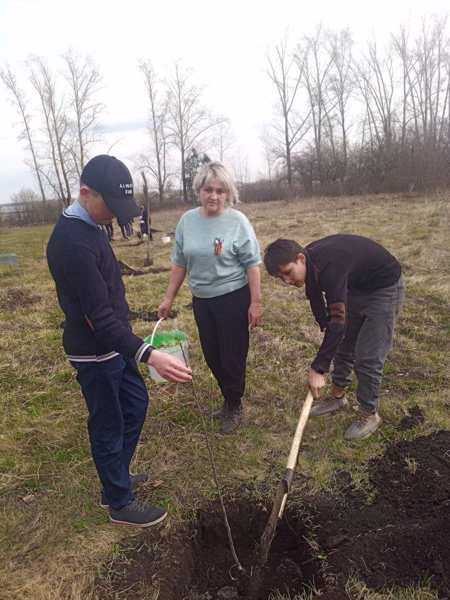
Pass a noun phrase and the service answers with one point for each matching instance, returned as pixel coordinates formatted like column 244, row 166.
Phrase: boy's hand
column 169, row 367
column 316, row 381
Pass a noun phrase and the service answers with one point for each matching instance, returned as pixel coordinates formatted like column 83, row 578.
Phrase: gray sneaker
column 231, row 420
column 135, row 480
column 138, row 514
column 365, row 425
column 330, row 404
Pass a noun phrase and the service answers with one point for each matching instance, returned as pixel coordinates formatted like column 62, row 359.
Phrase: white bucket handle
column 155, row 328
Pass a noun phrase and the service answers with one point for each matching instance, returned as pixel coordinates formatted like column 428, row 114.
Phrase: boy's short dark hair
column 279, row 253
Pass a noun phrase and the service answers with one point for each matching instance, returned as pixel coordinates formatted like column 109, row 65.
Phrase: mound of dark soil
column 403, row 536
column 400, row 538
column 15, row 297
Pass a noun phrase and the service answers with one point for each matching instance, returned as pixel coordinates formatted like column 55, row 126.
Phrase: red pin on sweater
column 218, row 245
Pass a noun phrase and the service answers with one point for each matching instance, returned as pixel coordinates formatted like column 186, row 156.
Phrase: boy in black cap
column 355, row 290
column 97, row 336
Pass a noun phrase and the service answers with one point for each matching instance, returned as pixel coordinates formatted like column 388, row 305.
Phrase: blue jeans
column 367, row 340
column 117, row 401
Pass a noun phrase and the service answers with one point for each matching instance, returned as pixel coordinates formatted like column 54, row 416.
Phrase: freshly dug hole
column 195, row 562
column 291, row 567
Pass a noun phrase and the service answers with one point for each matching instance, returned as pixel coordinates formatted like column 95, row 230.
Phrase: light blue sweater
column 215, row 251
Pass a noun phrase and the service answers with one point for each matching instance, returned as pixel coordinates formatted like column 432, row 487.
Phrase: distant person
column 123, row 228
column 129, row 228
column 215, row 245
column 109, row 229
column 98, row 339
column 144, row 224
column 356, row 291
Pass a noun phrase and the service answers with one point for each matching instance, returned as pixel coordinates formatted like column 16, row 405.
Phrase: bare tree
column 270, row 155
column 401, row 46
column 340, row 86
column 240, row 167
column 19, row 99
column 189, row 120
column 28, row 208
column 430, row 84
column 286, row 74
column 156, row 163
column 377, row 84
column 222, row 139
column 315, row 67
column 56, row 125
column 147, row 226
column 84, row 83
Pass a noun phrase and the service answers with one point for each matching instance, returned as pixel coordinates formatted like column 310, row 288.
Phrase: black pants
column 223, row 328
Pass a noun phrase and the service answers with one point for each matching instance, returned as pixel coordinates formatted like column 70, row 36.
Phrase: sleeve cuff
column 319, row 369
column 143, row 353
column 252, row 263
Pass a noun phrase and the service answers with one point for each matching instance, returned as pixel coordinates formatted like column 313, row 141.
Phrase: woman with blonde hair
column 216, row 246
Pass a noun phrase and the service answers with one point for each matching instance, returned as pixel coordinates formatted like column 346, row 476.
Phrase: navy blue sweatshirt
column 338, row 266
column 91, row 293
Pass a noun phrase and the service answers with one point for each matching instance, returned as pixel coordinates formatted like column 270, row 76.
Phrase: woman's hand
column 255, row 308
column 254, row 314
column 164, row 308
column 316, row 381
column 177, row 275
column 169, row 367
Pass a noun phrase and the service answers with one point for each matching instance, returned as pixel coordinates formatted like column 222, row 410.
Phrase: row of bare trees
column 362, row 121
column 348, row 119
column 58, row 123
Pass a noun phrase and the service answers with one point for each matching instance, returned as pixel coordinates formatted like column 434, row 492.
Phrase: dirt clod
column 15, row 297
column 413, row 418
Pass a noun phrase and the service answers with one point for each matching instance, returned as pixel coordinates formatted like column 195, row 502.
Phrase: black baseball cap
column 112, row 180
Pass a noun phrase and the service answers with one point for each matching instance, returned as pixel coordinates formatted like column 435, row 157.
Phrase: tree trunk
column 148, row 259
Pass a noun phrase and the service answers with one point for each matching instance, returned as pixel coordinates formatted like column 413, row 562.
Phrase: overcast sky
column 224, row 42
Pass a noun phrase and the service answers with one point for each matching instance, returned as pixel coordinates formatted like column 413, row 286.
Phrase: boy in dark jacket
column 355, row 290
column 98, row 339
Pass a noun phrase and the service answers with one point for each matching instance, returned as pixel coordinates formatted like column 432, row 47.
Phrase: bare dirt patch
column 399, row 538
column 127, row 269
column 149, row 315
column 15, row 297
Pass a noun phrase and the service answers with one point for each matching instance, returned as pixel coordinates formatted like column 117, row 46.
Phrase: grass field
column 54, row 538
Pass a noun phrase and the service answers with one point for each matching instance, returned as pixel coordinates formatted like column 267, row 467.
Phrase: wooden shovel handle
column 285, row 483
column 295, row 447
